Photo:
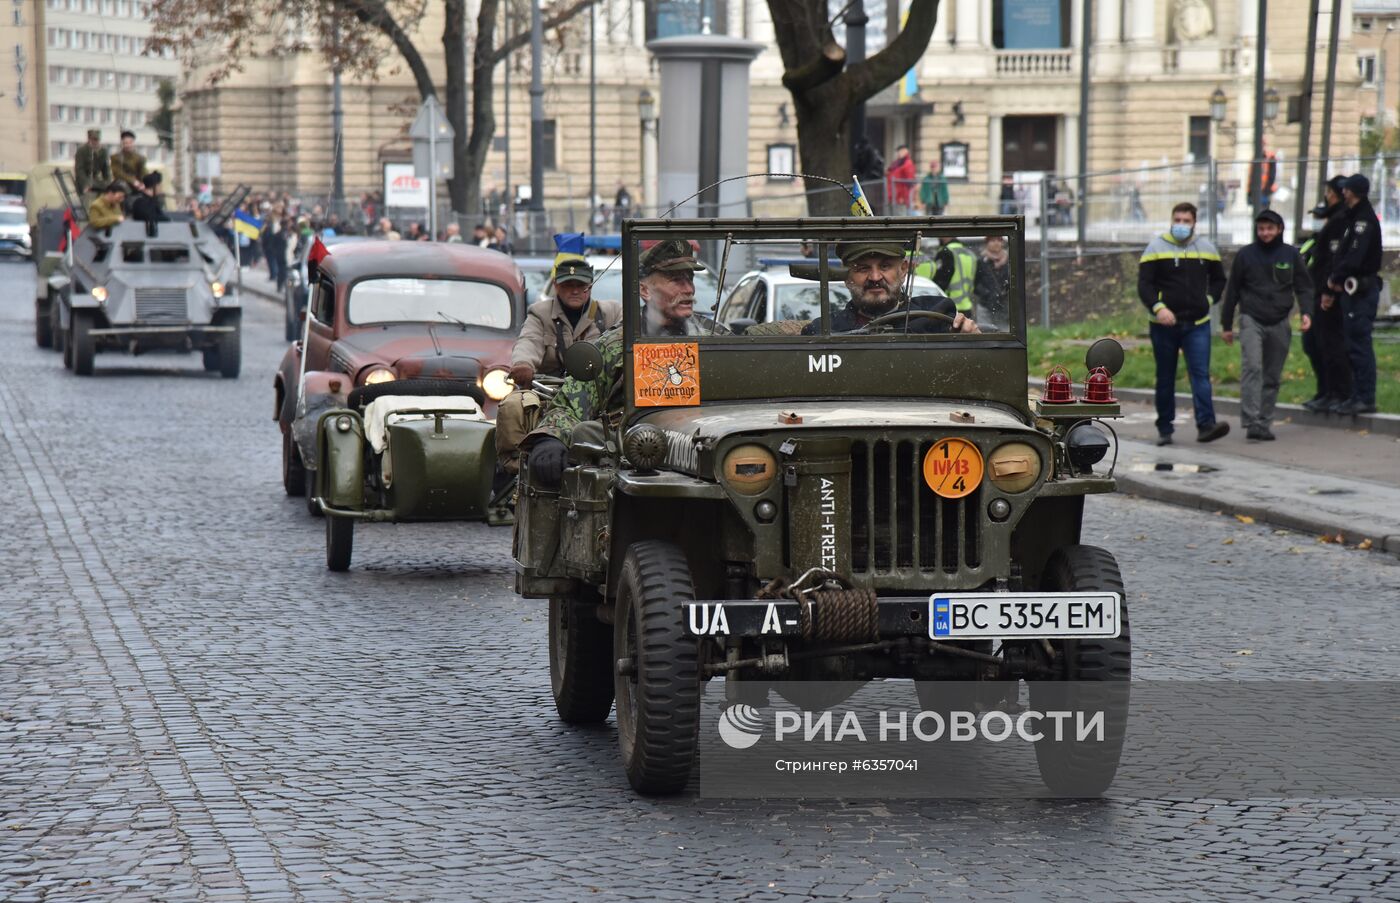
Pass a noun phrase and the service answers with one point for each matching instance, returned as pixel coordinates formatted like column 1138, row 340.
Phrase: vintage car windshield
column 417, row 300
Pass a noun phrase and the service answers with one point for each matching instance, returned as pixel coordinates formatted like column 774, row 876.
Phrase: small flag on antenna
column 860, row 206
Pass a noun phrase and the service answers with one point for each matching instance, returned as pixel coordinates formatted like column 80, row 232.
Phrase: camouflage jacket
column 600, row 398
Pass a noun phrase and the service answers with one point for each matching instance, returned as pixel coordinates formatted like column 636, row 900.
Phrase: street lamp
column 1217, row 106
column 646, row 107
column 1271, row 104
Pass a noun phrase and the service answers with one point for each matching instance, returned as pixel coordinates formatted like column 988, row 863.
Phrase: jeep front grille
column 898, row 524
column 161, row 304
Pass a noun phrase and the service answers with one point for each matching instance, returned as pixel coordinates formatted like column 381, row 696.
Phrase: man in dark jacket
column 147, row 206
column 1324, row 343
column 1179, row 276
column 1355, row 282
column 1265, row 278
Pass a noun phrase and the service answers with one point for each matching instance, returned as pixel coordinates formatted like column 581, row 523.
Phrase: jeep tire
column 1069, row 767
column 580, row 660
column 658, row 697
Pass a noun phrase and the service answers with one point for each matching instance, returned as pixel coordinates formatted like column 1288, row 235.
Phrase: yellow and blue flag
column 247, row 224
column 860, row 206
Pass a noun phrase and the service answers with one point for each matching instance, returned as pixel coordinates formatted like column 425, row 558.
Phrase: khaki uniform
column 128, row 166
column 91, row 168
column 103, row 213
column 544, row 338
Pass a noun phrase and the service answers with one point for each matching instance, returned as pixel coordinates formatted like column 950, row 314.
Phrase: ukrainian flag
column 859, row 206
column 247, row 224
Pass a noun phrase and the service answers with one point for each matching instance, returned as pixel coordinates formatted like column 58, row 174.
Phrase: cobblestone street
column 193, row 708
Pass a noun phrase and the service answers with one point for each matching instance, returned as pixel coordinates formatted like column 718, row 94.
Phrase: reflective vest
column 961, row 283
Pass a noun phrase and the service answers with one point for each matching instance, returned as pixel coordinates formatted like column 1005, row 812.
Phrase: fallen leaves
column 1228, row 542
column 1364, row 545
column 1244, row 518
column 1338, row 539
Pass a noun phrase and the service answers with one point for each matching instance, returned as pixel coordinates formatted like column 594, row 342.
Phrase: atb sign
column 402, row 188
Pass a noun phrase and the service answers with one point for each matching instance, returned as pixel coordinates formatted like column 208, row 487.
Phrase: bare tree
column 356, row 36
column 825, row 89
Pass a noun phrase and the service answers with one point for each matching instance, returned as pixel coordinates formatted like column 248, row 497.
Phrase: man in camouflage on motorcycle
column 667, row 287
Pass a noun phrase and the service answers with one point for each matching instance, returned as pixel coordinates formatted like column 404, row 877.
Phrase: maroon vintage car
column 382, row 311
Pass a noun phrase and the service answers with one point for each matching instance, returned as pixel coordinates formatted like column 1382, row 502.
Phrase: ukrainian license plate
column 955, row 616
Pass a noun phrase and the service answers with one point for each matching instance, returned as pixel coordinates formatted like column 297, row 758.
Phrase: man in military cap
column 876, row 275
column 106, row 210
column 127, row 164
column 667, row 287
column 567, row 314
column 92, row 170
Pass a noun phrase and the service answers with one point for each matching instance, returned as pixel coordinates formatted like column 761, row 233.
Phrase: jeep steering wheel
column 889, row 318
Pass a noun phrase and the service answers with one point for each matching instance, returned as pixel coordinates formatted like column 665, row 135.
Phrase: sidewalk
column 1322, row 480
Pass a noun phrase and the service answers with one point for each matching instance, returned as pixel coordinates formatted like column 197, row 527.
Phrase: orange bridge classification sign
column 953, row 468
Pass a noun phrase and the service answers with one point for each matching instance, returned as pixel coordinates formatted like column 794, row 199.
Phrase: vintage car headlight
column 750, row 469
column 217, row 288
column 379, row 375
column 99, row 293
column 1014, row 466
column 496, row 384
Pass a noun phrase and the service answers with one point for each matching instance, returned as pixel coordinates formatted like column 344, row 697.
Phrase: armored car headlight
column 750, row 469
column 99, row 294
column 1014, row 466
column 379, row 375
column 217, row 288
column 496, row 384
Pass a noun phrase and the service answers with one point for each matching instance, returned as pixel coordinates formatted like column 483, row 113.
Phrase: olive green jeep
column 783, row 503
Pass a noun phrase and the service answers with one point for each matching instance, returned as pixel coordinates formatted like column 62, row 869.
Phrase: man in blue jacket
column 1179, row 277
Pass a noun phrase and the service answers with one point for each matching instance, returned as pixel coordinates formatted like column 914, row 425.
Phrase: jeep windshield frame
column 988, row 366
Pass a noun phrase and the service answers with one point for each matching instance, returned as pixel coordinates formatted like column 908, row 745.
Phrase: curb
column 1274, row 516
column 1382, row 424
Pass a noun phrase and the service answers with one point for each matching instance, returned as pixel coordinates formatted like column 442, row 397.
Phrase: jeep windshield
column 419, row 300
column 861, row 280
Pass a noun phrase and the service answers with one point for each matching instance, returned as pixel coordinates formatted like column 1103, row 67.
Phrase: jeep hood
column 710, row 423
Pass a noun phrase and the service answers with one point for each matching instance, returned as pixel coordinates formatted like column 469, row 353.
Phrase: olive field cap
column 95, row 134
column 572, row 269
column 850, row 252
column 670, row 256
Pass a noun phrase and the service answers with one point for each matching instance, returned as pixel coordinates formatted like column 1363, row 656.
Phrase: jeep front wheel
column 580, row 660
column 658, row 673
column 1091, row 676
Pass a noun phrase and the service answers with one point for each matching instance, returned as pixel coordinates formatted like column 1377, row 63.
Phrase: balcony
column 1035, row 62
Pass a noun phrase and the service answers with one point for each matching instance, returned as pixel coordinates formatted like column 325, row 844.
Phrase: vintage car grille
column 161, row 304
column 898, row 524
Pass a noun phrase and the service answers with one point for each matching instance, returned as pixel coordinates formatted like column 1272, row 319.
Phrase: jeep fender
column 340, row 476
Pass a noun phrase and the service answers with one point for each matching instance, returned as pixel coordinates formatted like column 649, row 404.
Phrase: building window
column 1198, row 138
column 551, row 143
column 1366, row 65
column 1364, row 24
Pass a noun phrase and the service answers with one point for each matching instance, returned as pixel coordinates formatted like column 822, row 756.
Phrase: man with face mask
column 1179, row 276
column 876, row 275
column 1265, row 279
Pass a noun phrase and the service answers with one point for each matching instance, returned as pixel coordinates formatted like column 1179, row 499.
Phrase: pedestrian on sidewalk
column 1179, row 276
column 1266, row 277
column 1355, row 283
column 933, row 190
column 1324, row 344
column 899, row 179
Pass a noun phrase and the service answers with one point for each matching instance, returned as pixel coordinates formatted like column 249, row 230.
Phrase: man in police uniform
column 1354, row 283
column 92, row 171
column 127, row 164
column 106, row 210
column 876, row 273
column 667, row 287
column 552, row 325
column 1325, row 344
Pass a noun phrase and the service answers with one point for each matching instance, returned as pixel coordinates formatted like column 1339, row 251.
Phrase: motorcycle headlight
column 1014, row 467
column 496, row 384
column 217, row 288
column 99, row 293
column 379, row 375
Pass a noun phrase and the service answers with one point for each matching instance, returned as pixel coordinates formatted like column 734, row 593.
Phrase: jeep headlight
column 749, row 469
column 99, row 294
column 217, row 288
column 496, row 384
column 1014, row 467
column 379, row 375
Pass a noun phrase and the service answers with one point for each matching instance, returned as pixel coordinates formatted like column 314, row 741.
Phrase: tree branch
column 376, row 14
column 821, row 68
column 866, row 79
column 523, row 38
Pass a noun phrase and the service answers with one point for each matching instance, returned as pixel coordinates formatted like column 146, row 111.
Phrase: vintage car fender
column 340, row 481
column 320, row 391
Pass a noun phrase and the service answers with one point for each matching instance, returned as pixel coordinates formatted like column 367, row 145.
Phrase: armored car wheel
column 43, row 325
column 580, row 660
column 226, row 354
column 83, row 342
column 340, row 542
column 60, row 341
column 1092, row 675
column 293, row 473
column 658, row 673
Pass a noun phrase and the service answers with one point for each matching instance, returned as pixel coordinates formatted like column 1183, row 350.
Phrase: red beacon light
column 1098, row 388
column 1057, row 387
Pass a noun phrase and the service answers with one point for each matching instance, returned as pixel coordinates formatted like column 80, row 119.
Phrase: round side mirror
column 583, row 361
column 1105, row 353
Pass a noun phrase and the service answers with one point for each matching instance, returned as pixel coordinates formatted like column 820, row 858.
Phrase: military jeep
column 782, row 509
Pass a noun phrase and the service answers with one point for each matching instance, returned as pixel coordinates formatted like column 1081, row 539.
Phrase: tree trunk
column 455, row 56
column 483, row 129
column 823, row 143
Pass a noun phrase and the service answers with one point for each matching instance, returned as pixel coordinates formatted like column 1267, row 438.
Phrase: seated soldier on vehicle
column 106, row 210
column 568, row 314
column 667, row 287
column 876, row 276
column 148, row 207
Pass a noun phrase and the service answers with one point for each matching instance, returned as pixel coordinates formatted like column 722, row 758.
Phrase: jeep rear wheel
column 340, row 542
column 580, row 660
column 658, row 692
column 293, row 473
column 83, row 342
column 1092, row 675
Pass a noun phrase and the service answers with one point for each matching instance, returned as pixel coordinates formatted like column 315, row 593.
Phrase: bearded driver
column 876, row 275
column 552, row 324
column 667, row 287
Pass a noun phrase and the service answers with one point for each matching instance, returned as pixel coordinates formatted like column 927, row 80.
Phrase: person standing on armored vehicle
column 92, row 169
column 127, row 165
